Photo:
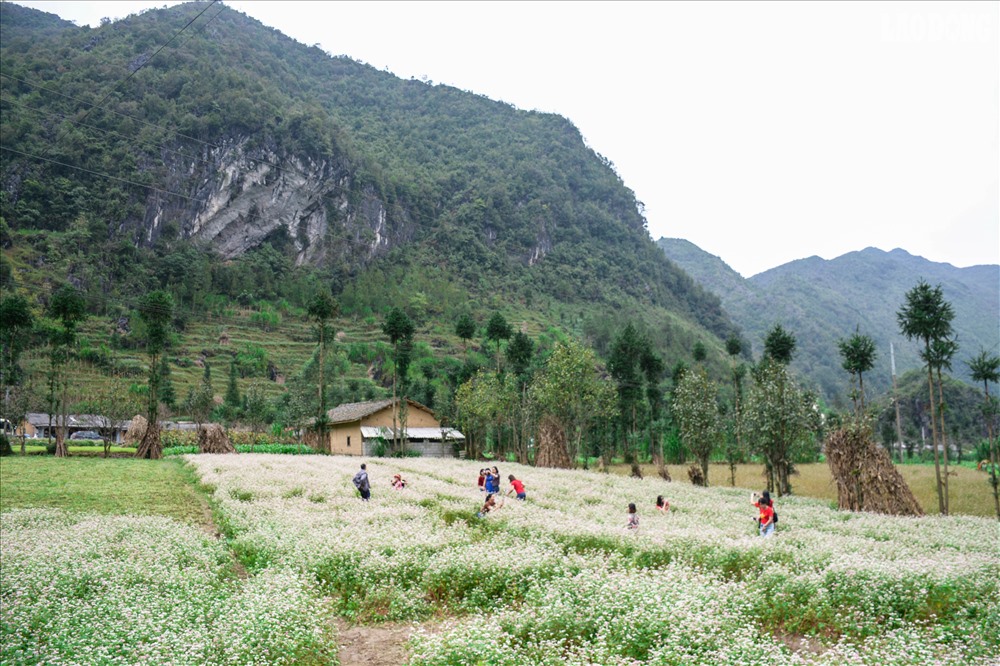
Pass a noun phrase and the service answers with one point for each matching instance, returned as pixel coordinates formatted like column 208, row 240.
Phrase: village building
column 363, row 428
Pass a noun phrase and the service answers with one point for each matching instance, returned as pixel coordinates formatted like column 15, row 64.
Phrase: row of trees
column 553, row 404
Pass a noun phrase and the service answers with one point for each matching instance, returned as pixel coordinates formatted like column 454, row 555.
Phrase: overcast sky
column 761, row 132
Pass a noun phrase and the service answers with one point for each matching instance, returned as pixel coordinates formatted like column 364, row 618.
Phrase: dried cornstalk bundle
column 865, row 476
column 696, row 475
column 552, row 450
column 136, row 430
column 212, row 438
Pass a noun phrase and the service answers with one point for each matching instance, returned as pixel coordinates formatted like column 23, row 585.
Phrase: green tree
column 519, row 353
column 255, row 410
column 322, row 308
column 16, row 322
column 399, row 329
column 112, row 404
column 777, row 418
column 68, row 308
column 623, row 363
column 695, row 405
column 498, row 330
column 465, row 329
column 156, row 310
column 859, row 356
column 734, row 445
column 571, row 389
column 926, row 316
column 652, row 367
column 699, row 353
column 232, row 399
column 985, row 368
column 168, row 396
column 779, row 345
column 200, row 401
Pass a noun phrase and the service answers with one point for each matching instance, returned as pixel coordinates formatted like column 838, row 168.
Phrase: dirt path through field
column 374, row 645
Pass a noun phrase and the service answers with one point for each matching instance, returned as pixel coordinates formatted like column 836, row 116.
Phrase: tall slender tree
column 941, row 353
column 399, row 329
column 623, row 364
column 498, row 330
column 68, row 308
column 734, row 347
column 926, row 316
column 322, row 308
column 985, row 368
column 859, row 356
column 156, row 310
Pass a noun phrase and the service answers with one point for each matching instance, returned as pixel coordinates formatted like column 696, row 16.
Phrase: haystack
column 212, row 438
column 136, row 430
column 552, row 450
column 696, row 475
column 865, row 476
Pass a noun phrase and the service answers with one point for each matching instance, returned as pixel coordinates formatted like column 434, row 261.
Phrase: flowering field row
column 80, row 589
column 867, row 586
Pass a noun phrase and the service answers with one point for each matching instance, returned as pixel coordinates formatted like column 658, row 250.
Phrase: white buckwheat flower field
column 555, row 579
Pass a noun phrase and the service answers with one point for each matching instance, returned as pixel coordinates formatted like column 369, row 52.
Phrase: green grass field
column 114, row 486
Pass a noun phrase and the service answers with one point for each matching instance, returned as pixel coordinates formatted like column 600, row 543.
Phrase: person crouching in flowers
column 662, row 504
column 398, row 482
column 490, row 505
column 516, row 487
column 766, row 507
column 633, row 518
column 482, row 481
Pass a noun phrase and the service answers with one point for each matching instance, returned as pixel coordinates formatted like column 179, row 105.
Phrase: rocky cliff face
column 241, row 195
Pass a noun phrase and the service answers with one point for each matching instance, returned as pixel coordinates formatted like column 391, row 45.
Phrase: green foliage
column 695, row 407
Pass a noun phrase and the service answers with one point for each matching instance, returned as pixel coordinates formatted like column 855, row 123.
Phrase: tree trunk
column 944, row 442
column 552, row 445
column 934, row 441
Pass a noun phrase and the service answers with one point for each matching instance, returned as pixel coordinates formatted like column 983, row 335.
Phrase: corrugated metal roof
column 371, row 432
column 74, row 420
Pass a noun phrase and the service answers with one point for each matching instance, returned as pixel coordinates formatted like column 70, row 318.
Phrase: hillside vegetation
column 244, row 173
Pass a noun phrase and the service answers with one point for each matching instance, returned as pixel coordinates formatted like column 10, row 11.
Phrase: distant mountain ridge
column 821, row 301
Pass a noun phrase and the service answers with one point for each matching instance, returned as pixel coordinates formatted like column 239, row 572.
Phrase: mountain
column 822, row 301
column 194, row 149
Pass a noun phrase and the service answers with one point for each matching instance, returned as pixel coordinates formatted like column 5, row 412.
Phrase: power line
column 136, row 70
column 119, row 113
column 108, row 132
column 104, row 175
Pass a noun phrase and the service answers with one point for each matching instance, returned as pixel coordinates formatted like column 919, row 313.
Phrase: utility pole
column 895, row 400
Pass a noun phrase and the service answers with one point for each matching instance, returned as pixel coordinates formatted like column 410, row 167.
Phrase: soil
column 373, row 645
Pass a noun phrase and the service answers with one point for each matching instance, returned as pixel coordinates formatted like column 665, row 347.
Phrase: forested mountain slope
column 821, row 301
column 126, row 163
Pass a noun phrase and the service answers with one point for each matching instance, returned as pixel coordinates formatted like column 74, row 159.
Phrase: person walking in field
column 766, row 507
column 362, row 484
column 516, row 487
column 633, row 517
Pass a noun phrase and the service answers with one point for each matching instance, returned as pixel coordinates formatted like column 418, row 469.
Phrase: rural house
column 358, row 428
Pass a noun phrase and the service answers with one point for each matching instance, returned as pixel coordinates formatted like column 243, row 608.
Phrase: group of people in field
column 489, row 483
column 765, row 505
